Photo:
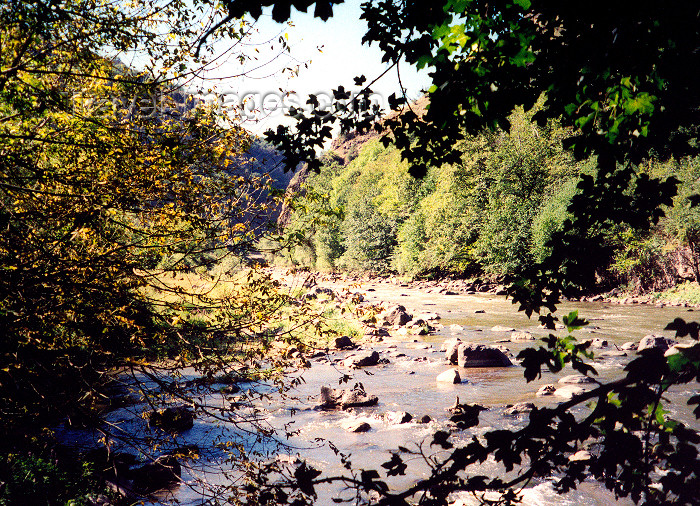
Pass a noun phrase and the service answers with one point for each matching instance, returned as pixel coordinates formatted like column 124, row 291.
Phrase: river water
column 407, row 383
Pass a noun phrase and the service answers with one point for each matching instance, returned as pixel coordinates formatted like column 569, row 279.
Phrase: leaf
column 304, row 476
column 683, row 329
column 441, row 439
column 695, row 399
column 395, row 466
column 573, row 322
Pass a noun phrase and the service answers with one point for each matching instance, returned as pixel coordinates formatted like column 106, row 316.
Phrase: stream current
column 408, row 383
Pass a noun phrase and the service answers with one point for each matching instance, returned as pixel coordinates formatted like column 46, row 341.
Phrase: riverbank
column 686, row 294
column 400, row 357
column 405, row 374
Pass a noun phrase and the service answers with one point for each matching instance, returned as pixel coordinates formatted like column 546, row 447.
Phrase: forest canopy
column 114, row 190
column 126, row 212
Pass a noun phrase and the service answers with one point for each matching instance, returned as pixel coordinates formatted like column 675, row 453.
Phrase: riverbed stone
column 356, row 426
column 357, row 298
column 568, row 391
column 521, row 336
column 398, row 417
column 480, row 355
column 450, row 346
column 365, row 359
column 398, row 316
column 332, row 398
column 575, row 379
column 598, row 343
column 343, row 342
column 629, row 345
column 466, row 416
column 546, row 390
column 654, row 341
column 172, row 419
column 456, row 328
column 449, row 376
column 519, row 408
column 162, row 473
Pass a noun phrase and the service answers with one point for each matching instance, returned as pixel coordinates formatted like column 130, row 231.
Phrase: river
column 408, row 383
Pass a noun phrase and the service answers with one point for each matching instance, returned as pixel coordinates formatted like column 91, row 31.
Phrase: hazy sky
column 334, row 53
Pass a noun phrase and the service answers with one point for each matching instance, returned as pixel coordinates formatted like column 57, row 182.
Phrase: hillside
column 490, row 215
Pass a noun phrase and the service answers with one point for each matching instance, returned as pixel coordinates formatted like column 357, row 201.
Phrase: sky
column 326, row 54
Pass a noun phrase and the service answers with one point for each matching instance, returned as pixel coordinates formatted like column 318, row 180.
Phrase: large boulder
column 652, row 341
column 365, row 359
column 450, row 376
column 162, row 473
column 479, row 355
column 172, row 419
column 343, row 342
column 450, row 347
column 398, row 316
column 332, row 398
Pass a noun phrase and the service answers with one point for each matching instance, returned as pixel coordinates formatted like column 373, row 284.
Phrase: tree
column 115, row 186
column 621, row 75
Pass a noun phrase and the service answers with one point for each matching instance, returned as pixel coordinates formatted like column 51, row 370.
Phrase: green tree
column 683, row 218
column 622, row 76
column 114, row 186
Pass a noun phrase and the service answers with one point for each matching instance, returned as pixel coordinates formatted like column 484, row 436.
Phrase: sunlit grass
column 687, row 292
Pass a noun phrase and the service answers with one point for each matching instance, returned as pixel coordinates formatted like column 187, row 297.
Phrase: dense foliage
column 493, row 211
column 491, row 214
column 621, row 76
column 125, row 213
column 105, row 204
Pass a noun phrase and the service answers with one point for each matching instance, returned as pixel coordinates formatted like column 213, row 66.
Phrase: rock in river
column 521, row 336
column 546, row 390
column 161, row 473
column 397, row 417
column 652, row 341
column 479, row 355
column 332, row 398
column 398, row 316
column 356, row 426
column 172, row 419
column 362, row 359
column 568, row 391
column 576, row 379
column 343, row 342
column 449, row 376
column 519, row 409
